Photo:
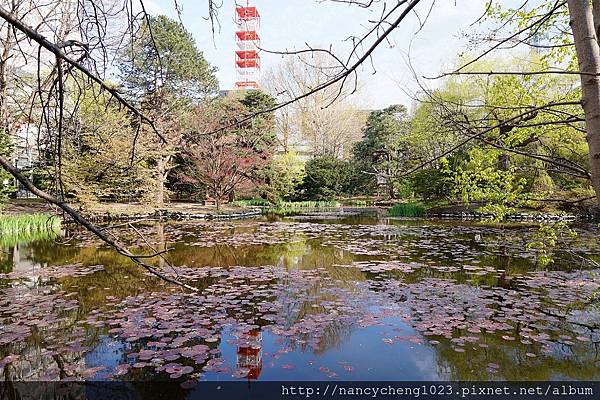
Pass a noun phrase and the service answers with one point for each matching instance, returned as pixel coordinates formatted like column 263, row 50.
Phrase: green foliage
column 21, row 228
column 381, row 146
column 297, row 207
column 358, row 203
column 252, row 203
column 326, row 178
column 284, row 175
column 309, row 204
column 551, row 32
column 168, row 76
column 97, row 160
column 431, row 183
column 546, row 239
column 407, row 210
column 511, row 163
column 6, row 187
column 171, row 62
column 480, row 180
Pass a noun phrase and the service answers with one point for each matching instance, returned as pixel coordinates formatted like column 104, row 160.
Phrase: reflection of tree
column 46, row 350
column 329, row 326
column 513, row 363
column 6, row 260
column 14, row 245
column 300, row 253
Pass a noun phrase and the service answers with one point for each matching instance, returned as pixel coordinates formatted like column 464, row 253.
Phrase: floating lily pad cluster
column 434, row 279
column 53, row 272
column 44, row 318
column 540, row 314
column 179, row 333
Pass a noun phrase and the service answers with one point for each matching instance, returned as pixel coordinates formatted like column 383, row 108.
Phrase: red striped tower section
column 247, row 57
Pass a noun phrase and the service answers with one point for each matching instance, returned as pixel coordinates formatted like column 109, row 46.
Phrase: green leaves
column 547, row 237
column 164, row 56
column 99, row 161
column 382, row 142
column 479, row 180
column 5, row 178
column 285, row 174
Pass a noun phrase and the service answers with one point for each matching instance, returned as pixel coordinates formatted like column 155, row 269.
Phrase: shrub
column 326, row 178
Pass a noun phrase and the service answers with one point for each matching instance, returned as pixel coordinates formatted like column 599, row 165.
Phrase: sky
column 289, row 24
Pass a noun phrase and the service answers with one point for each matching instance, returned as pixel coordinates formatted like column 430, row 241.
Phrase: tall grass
column 298, row 207
column 23, row 228
column 407, row 210
column 287, row 207
column 287, row 204
column 358, row 203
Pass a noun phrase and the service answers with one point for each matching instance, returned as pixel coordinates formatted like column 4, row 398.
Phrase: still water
column 304, row 299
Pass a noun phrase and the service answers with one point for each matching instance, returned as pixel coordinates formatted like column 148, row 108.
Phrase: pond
column 304, row 299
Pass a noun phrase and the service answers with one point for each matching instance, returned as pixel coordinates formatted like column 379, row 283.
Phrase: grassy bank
column 22, row 228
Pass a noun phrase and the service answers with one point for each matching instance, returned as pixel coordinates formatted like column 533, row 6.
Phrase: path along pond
column 304, row 299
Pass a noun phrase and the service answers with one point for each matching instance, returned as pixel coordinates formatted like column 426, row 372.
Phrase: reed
column 407, row 210
column 23, row 228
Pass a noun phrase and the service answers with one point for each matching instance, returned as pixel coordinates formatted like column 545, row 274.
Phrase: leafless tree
column 325, row 125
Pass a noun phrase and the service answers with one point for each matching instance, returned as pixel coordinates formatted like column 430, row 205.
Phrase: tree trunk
column 588, row 56
column 504, row 162
column 160, row 187
column 162, row 174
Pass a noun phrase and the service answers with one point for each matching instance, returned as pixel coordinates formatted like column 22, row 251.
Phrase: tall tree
column 164, row 57
column 168, row 73
column 95, row 167
column 378, row 153
column 585, row 24
column 328, row 123
column 5, row 178
column 565, row 35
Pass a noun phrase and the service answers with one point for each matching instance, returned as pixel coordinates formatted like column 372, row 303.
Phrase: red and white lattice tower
column 247, row 57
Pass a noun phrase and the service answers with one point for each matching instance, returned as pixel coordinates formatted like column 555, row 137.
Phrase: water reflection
column 304, row 299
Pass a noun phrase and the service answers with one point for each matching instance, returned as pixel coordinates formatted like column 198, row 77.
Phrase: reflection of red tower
column 247, row 58
column 249, row 353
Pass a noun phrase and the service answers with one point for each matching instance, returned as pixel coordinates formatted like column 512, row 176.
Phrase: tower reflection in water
column 249, row 354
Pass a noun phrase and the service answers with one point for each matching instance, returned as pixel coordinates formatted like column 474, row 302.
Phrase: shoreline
column 178, row 211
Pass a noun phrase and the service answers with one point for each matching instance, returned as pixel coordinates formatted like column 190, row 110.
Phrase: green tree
column 166, row 72
column 379, row 152
column 164, row 57
column 539, row 149
column 5, row 177
column 98, row 163
column 565, row 36
column 284, row 175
